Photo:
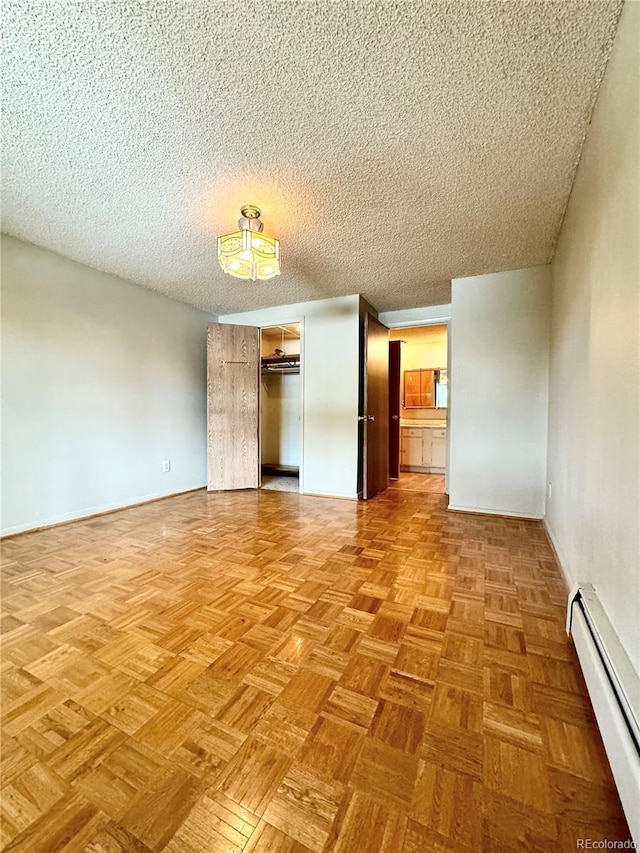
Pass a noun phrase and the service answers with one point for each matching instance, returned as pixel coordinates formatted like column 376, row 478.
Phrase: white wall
column 498, row 403
column 415, row 316
column 593, row 514
column 330, row 370
column 280, row 414
column 101, row 381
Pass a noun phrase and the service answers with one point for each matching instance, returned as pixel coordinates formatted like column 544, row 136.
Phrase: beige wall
column 593, row 512
column 101, row 381
column 424, row 347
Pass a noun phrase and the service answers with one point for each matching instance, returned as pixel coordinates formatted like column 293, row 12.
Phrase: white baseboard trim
column 90, row 512
column 476, row 510
column 336, row 496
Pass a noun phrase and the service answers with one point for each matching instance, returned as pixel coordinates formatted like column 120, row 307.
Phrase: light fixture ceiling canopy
column 248, row 253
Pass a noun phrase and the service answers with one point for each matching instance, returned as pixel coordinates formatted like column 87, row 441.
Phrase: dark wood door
column 394, row 409
column 233, row 366
column 376, row 408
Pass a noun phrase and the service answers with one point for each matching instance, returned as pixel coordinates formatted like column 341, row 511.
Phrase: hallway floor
column 277, row 673
column 411, row 482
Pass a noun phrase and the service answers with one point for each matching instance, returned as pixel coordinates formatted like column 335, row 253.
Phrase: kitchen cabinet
column 423, row 449
column 411, row 447
column 438, row 448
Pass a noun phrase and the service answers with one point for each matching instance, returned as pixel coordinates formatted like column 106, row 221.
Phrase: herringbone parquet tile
column 272, row 673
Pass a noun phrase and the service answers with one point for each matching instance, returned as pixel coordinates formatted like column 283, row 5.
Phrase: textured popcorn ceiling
column 391, row 145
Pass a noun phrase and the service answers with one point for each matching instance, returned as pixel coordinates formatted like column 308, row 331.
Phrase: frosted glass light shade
column 249, row 254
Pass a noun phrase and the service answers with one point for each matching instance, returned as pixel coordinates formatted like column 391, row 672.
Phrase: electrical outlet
column 549, row 490
column 166, row 466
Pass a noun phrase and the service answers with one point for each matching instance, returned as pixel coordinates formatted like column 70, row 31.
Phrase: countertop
column 417, row 422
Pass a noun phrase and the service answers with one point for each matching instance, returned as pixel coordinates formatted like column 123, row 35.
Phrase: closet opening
column 280, row 407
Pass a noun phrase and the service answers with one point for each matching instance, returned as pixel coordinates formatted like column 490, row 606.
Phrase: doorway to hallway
column 418, row 401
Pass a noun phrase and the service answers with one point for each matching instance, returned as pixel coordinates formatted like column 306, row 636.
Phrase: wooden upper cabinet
column 427, row 388
column 411, row 389
column 419, row 389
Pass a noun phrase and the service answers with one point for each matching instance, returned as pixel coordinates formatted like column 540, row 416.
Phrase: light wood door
column 376, row 408
column 233, row 367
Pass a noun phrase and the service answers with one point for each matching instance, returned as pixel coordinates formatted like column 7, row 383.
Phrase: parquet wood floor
column 272, row 673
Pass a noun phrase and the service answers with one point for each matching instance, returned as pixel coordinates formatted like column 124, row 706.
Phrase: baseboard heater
column 614, row 690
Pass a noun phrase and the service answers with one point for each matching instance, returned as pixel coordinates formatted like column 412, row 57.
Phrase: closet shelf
column 279, row 364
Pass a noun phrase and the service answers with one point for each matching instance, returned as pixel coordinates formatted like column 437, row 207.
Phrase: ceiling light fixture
column 248, row 253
